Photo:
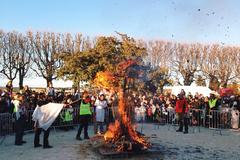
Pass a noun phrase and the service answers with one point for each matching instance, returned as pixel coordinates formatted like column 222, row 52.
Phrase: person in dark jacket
column 3, row 103
column 9, row 87
column 20, row 119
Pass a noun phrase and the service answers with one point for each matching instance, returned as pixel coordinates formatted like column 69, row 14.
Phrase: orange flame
column 123, row 126
column 105, row 80
column 113, row 130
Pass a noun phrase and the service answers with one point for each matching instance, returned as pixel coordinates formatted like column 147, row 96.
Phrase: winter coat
column 180, row 104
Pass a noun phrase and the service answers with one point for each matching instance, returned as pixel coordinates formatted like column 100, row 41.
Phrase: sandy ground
column 206, row 144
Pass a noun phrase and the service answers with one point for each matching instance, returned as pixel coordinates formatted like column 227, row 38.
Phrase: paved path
column 172, row 145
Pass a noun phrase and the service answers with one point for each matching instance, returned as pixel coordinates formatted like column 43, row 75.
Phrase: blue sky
column 205, row 21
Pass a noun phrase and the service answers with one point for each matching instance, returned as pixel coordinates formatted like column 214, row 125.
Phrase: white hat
column 101, row 93
column 232, row 97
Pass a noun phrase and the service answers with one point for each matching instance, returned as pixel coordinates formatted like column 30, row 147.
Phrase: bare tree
column 2, row 34
column 186, row 61
column 23, row 57
column 235, row 64
column 159, row 53
column 158, row 57
column 46, row 49
column 8, row 54
column 221, row 64
column 73, row 45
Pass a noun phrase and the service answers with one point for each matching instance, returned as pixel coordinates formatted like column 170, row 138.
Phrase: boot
column 47, row 147
column 179, row 130
column 78, row 138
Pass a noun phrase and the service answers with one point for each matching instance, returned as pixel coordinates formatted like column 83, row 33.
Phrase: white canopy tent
column 175, row 90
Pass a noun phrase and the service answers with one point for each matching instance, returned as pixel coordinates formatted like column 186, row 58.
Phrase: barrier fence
column 222, row 119
column 6, row 124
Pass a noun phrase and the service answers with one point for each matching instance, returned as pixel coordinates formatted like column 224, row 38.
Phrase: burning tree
column 109, row 62
column 122, row 134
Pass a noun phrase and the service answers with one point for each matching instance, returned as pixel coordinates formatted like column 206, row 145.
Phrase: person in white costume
column 44, row 115
column 101, row 105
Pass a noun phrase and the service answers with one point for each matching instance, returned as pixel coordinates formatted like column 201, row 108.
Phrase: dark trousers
column 110, row 115
column 183, row 120
column 19, row 130
column 45, row 137
column 84, row 120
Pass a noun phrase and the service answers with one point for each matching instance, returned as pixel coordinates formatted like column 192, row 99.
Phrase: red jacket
column 179, row 105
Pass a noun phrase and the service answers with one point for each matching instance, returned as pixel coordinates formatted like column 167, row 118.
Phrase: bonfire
column 121, row 135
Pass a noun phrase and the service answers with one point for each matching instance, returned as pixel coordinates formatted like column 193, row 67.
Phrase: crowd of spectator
column 32, row 98
column 143, row 107
column 151, row 108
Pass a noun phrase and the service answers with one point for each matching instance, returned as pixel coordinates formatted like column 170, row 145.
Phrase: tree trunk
column 224, row 84
column 76, row 85
column 188, row 79
column 49, row 82
column 187, row 82
column 20, row 82
column 21, row 77
column 213, row 83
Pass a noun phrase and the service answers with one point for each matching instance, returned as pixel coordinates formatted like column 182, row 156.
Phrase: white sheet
column 46, row 114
